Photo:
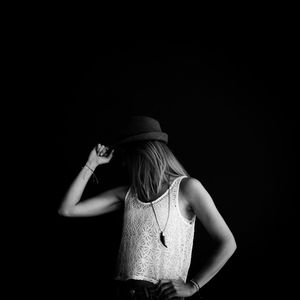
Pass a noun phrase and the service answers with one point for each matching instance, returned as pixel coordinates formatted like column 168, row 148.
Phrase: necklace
column 161, row 235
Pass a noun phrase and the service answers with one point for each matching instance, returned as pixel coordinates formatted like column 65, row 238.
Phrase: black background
column 230, row 122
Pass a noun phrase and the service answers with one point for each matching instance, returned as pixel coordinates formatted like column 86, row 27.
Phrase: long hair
column 150, row 165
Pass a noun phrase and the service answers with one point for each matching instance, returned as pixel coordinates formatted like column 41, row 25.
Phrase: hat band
column 155, row 135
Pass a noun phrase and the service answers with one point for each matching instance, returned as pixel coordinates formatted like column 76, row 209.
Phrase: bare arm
column 200, row 203
column 101, row 204
column 206, row 211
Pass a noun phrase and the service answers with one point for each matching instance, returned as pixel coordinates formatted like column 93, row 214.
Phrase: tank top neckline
column 161, row 196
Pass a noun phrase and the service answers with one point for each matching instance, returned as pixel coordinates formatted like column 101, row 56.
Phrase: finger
column 160, row 283
column 165, row 287
column 101, row 150
column 97, row 148
column 107, row 151
column 111, row 154
column 169, row 293
column 157, row 287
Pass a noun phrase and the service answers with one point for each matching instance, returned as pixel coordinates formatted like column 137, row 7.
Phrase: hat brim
column 158, row 136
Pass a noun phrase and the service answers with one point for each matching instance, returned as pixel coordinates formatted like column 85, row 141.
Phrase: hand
column 171, row 289
column 98, row 156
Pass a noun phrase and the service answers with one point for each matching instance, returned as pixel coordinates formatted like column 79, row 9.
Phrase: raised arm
column 108, row 201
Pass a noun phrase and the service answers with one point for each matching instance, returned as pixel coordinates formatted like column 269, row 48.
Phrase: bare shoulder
column 194, row 194
column 185, row 192
column 190, row 186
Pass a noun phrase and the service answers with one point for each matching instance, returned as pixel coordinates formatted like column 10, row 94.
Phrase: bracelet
column 89, row 168
column 95, row 179
column 195, row 284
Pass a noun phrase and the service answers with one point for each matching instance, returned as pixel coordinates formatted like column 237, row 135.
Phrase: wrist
column 194, row 286
column 92, row 168
column 91, row 165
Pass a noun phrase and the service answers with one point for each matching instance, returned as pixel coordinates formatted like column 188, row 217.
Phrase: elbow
column 231, row 244
column 64, row 212
column 228, row 244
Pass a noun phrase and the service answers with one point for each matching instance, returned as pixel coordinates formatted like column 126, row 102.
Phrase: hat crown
column 141, row 128
column 141, row 124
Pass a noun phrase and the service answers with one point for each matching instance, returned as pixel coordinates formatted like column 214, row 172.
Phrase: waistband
column 138, row 289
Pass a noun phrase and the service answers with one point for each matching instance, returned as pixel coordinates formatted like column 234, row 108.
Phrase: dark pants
column 137, row 290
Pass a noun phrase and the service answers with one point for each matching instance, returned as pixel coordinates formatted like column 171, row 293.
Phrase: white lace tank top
column 141, row 255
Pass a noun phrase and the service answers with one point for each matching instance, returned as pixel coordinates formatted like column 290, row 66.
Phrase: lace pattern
column 141, row 254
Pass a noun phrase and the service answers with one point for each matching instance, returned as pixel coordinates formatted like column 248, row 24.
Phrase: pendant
column 162, row 239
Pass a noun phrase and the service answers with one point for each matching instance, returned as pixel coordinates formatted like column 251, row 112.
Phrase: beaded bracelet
column 195, row 284
column 94, row 175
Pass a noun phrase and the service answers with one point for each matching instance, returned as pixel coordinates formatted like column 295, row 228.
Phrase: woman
column 160, row 208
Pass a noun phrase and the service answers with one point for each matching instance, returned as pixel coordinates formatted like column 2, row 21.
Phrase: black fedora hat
column 141, row 128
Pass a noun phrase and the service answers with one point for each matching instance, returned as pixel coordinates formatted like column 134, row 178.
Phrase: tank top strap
column 175, row 188
column 127, row 195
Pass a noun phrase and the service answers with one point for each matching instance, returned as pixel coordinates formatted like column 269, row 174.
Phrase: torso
column 141, row 235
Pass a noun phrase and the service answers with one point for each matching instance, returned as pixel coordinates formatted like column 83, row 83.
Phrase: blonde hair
column 150, row 165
